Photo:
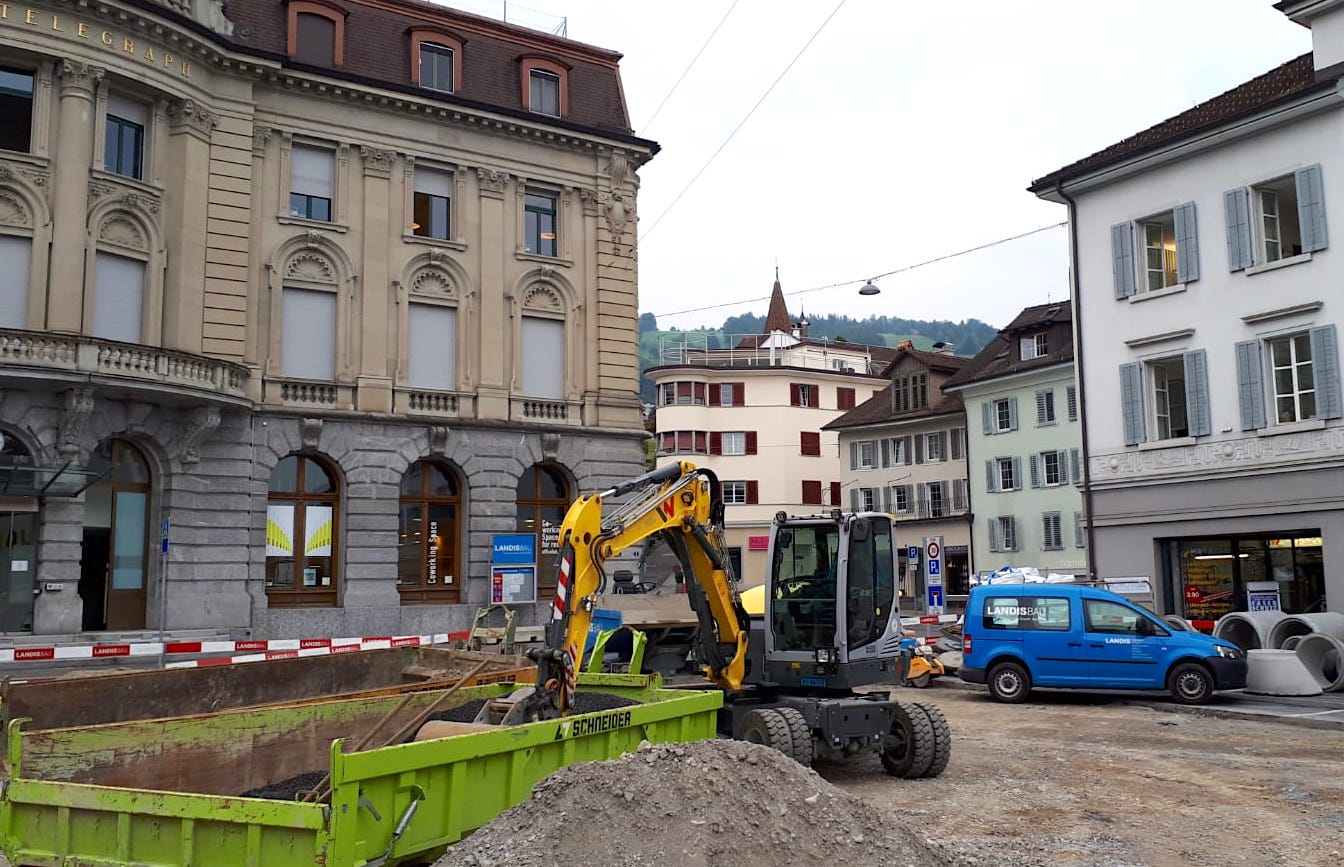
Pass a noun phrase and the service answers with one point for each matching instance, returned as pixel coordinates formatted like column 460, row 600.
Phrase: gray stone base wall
column 213, row 486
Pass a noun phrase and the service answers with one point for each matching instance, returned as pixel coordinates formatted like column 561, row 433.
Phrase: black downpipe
column 1076, row 296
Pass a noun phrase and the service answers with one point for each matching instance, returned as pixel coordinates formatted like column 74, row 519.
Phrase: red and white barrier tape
column 928, row 619
column 289, row 646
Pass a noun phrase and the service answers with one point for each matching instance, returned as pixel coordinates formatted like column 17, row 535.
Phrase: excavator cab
column 830, row 594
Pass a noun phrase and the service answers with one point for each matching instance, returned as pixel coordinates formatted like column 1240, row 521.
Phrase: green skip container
column 163, row 793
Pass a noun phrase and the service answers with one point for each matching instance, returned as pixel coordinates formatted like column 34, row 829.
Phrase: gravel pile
column 704, row 804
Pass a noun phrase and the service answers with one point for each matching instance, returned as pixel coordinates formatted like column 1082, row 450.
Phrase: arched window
column 427, row 550
column 302, row 513
column 16, row 251
column 114, row 556
column 316, row 33
column 18, row 533
column 543, row 496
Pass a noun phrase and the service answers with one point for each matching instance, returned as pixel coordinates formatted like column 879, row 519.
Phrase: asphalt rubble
column 713, row 803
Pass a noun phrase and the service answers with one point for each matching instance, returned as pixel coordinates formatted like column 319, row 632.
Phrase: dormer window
column 545, row 86
column 316, row 33
column 910, row 392
column 1036, row 346
column 436, row 60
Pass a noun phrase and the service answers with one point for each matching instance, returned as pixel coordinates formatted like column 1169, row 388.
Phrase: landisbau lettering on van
column 592, row 725
column 1016, row 611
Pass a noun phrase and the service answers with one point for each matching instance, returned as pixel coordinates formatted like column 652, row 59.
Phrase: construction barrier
column 182, row 648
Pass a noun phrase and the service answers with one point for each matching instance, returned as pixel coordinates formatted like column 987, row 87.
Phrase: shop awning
column 25, row 478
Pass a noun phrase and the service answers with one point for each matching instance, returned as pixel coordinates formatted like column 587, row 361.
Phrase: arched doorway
column 427, row 548
column 543, row 498
column 114, row 563
column 18, row 536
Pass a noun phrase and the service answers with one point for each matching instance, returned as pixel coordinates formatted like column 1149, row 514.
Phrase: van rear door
column 1122, row 650
column 1052, row 643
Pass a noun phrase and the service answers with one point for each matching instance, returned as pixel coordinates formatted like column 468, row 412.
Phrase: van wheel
column 1009, row 682
column 1190, row 683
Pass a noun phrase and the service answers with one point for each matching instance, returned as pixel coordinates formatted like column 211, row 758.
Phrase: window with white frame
column 935, row 500
column 1035, row 346
column 734, row 442
column 436, row 66
column 432, row 205
column 735, row 493
column 118, row 304
column 1005, row 474
column 1294, row 383
column 16, row 252
column 1052, row 469
column 684, row 393
column 1159, row 248
column 312, row 181
column 16, row 109
column 1003, row 533
column 545, row 92
column 539, row 226
column 1003, row 415
column 308, row 338
column 543, row 350
column 935, row 447
column 868, row 499
column 900, row 499
column 124, row 144
column 1052, row 533
column 1170, row 419
column 692, row 442
column 1045, row 407
column 431, row 346
column 1275, row 206
column 896, row 451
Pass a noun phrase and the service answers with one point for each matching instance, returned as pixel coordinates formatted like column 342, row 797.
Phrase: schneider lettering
column 604, row 723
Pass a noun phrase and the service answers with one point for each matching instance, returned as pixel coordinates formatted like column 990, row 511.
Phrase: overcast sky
column 908, row 130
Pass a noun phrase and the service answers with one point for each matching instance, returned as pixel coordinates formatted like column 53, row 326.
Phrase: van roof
column 1041, row 586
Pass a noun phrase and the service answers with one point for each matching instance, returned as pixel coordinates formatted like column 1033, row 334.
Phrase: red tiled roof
column 1292, row 79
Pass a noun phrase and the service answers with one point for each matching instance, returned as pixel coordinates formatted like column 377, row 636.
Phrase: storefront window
column 1219, row 576
column 301, row 529
column 427, row 568
column 543, row 498
column 18, row 536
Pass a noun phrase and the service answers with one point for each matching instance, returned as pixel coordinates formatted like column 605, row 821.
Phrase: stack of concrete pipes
column 1289, row 654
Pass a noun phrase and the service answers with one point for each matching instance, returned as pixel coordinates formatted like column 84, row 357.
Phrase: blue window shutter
column 1238, row 211
column 1325, row 368
column 1012, row 413
column 987, row 413
column 1131, row 403
column 1187, row 244
column 1197, row 393
column 1122, row 259
column 1311, row 208
column 991, row 475
column 1251, row 384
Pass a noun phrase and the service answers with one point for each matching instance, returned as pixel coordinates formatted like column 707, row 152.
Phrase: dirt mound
column 703, row 804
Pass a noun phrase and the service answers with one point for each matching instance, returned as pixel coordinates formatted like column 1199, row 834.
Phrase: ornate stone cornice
column 492, row 181
column 377, row 161
column 78, row 406
column 1248, row 453
column 200, row 423
column 80, row 78
column 193, row 116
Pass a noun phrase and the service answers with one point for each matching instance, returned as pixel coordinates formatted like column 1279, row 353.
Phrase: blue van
column 1017, row 636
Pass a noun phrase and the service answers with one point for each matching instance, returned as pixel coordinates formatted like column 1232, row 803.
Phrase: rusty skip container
column 159, row 793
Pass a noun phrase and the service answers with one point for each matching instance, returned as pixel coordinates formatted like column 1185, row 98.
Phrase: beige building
column 334, row 290
column 755, row 414
column 904, row 451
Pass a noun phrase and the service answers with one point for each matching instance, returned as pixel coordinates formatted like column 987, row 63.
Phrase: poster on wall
column 279, row 530
column 550, row 538
column 510, row 585
column 1208, row 585
column 317, row 529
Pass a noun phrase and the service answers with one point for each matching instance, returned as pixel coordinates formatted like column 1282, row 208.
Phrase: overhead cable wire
column 893, row 271
column 742, row 122
column 648, row 123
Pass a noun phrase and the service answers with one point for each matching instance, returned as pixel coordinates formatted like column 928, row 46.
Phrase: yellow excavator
column 789, row 675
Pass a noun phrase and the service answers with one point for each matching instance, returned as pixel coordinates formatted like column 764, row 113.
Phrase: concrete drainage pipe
column 1248, row 630
column 1279, row 672
column 1329, row 623
column 1292, row 641
column 1323, row 655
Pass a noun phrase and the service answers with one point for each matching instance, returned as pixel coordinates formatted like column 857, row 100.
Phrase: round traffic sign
column 934, row 550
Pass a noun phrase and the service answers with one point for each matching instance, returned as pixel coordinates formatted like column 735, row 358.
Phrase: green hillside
column 966, row 337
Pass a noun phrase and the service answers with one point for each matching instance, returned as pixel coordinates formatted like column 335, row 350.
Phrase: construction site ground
column 1076, row 779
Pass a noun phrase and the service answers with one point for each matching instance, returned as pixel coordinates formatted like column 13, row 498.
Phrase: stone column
column 493, row 390
column 372, row 377
column 74, row 155
column 185, row 225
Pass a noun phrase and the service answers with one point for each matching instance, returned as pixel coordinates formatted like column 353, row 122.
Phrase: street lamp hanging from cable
column 869, row 289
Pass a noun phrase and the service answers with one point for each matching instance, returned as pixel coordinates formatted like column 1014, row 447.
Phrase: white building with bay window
column 1207, row 308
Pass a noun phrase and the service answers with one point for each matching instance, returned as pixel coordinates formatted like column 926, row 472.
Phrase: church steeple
column 777, row 318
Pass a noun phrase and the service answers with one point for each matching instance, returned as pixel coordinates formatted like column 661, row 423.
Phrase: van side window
column 1048, row 613
column 1113, row 619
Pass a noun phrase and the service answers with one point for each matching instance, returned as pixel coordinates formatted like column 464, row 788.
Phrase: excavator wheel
column 767, row 726
column 804, row 749
column 909, row 749
column 942, row 737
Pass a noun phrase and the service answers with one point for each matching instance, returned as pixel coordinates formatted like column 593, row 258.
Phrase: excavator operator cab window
column 803, row 578
column 871, row 581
